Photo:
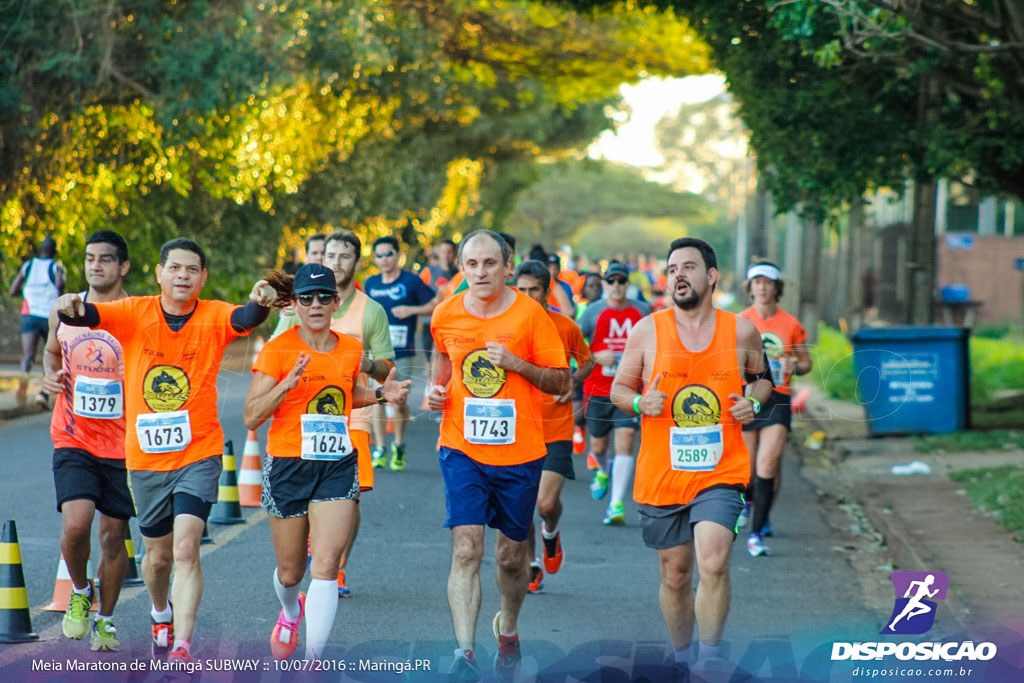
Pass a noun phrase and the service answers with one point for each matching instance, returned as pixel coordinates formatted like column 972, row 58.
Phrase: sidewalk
column 926, row 520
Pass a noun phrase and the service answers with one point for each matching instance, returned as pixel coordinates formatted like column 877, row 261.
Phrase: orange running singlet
column 695, row 443
column 170, row 380
column 84, row 413
column 324, row 389
column 779, row 334
column 558, row 424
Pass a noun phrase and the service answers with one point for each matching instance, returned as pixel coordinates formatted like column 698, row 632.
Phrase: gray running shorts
column 666, row 526
column 153, row 492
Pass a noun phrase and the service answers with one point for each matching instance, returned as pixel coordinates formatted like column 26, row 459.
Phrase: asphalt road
column 601, row 610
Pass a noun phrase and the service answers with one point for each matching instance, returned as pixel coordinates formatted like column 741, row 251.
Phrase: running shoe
column 508, row 656
column 744, row 517
column 104, row 636
column 343, row 589
column 464, row 668
column 615, row 516
column 377, row 458
column 553, row 553
column 599, row 486
column 592, row 462
column 180, row 654
column 285, row 636
column 76, row 619
column 536, row 578
column 579, row 443
column 756, row 546
column 163, row 634
column 766, row 529
column 397, row 463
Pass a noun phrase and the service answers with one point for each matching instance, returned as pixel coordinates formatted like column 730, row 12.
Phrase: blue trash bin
column 913, row 379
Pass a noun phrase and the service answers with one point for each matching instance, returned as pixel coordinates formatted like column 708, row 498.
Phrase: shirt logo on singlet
column 695, row 405
column 328, row 401
column 165, row 388
column 773, row 344
column 480, row 376
column 620, row 329
column 94, row 353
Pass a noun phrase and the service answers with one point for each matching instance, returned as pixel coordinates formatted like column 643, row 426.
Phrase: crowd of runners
column 525, row 361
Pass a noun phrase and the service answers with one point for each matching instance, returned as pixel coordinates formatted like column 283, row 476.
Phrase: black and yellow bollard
column 15, row 619
column 227, row 509
column 132, row 576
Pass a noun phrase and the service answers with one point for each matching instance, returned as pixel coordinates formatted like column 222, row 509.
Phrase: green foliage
column 996, row 366
column 960, row 442
column 998, row 491
column 833, row 364
column 269, row 120
column 586, row 195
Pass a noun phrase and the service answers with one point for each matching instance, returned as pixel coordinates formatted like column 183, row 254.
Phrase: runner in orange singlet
column 783, row 338
column 366, row 320
column 497, row 353
column 692, row 466
column 533, row 279
column 173, row 345
column 85, row 369
column 306, row 379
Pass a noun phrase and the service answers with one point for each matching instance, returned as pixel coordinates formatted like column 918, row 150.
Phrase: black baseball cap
column 616, row 268
column 314, row 277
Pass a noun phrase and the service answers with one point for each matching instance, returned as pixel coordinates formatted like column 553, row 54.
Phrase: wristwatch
column 379, row 393
column 754, row 403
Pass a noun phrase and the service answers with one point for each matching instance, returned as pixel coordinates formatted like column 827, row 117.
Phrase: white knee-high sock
column 321, row 606
column 289, row 597
column 622, row 475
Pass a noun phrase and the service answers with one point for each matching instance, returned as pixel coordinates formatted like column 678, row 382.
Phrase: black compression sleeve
column 90, row 319
column 248, row 316
column 764, row 374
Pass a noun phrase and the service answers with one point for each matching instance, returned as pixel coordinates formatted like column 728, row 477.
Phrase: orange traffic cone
column 62, row 587
column 227, row 510
column 250, row 479
column 15, row 619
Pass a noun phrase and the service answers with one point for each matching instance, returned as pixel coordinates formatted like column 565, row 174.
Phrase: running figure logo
column 916, row 595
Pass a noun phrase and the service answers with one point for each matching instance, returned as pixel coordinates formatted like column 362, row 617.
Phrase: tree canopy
column 246, row 124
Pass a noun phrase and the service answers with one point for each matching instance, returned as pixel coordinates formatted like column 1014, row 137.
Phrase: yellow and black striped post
column 227, row 509
column 15, row 619
column 132, row 576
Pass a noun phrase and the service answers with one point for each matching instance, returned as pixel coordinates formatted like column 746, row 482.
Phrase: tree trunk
column 855, row 288
column 810, row 262
column 921, row 256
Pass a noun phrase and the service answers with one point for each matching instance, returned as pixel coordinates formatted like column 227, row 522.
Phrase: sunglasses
column 387, row 254
column 616, row 281
column 325, row 298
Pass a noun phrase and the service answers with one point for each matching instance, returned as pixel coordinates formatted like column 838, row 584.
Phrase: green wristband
column 636, row 403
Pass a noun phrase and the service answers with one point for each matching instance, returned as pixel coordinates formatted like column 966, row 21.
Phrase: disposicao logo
column 913, row 613
column 916, row 596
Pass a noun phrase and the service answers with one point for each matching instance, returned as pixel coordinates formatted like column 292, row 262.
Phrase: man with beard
column 365, row 319
column 692, row 361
